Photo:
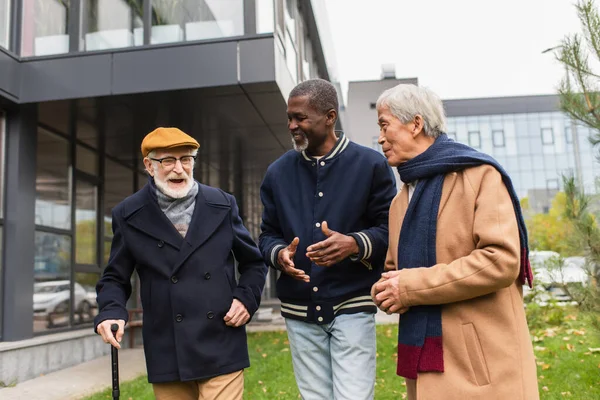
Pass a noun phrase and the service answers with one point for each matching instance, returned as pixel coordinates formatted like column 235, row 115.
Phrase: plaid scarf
column 420, row 347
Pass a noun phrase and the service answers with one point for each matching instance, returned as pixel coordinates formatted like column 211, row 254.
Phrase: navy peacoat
column 187, row 284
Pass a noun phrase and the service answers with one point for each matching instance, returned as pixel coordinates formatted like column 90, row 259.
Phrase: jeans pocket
column 476, row 356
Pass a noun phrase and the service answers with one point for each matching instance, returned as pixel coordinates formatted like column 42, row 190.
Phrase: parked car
column 52, row 298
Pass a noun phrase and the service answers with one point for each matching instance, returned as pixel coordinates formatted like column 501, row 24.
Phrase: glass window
column 475, row 139
column 86, row 215
column 452, row 135
column 45, row 28
column 111, row 24
column 547, row 136
column 568, row 134
column 291, row 57
column 174, row 21
column 118, row 184
column 120, row 133
column 53, row 181
column 87, row 123
column 87, row 160
column 4, row 23
column 55, row 114
column 142, row 180
column 265, row 16
column 498, row 138
column 52, row 285
column 84, row 291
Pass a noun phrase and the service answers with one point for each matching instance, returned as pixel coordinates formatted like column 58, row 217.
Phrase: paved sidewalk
column 79, row 381
column 93, row 376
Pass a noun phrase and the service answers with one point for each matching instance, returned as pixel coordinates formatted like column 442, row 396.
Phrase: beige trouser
column 222, row 387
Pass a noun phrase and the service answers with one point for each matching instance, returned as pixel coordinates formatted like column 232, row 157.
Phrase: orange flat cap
column 167, row 138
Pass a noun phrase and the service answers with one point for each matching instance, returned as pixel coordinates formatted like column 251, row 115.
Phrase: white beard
column 163, row 185
column 300, row 147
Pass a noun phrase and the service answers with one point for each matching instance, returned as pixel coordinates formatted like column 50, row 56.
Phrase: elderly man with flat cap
column 184, row 239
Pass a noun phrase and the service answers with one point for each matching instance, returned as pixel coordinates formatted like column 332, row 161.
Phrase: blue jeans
column 334, row 361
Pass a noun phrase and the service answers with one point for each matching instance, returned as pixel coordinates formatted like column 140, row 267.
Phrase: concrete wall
column 27, row 359
column 360, row 112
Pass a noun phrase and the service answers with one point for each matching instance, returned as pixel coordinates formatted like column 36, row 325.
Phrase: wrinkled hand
column 386, row 293
column 237, row 315
column 285, row 259
column 332, row 250
column 103, row 330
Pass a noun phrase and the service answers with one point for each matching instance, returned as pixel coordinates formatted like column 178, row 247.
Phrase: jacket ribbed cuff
column 273, row 256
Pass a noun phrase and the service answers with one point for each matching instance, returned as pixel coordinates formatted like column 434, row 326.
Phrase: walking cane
column 114, row 362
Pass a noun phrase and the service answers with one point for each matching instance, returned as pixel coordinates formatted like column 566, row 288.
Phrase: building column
column 19, row 223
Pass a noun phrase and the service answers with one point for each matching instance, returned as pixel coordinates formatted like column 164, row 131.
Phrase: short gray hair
column 322, row 95
column 405, row 101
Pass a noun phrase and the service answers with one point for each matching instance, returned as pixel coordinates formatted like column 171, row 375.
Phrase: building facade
column 81, row 83
column 529, row 136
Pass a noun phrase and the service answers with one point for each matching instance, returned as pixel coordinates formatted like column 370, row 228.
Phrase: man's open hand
column 332, row 250
column 285, row 259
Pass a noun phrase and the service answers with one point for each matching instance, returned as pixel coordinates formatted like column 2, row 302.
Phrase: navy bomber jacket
column 351, row 188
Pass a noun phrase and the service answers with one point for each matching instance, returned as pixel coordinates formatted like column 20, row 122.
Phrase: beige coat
column 487, row 348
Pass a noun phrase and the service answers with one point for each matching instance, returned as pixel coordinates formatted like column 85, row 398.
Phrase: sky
column 457, row 48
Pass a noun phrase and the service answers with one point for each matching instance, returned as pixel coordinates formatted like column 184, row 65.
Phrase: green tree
column 553, row 231
column 578, row 90
column 580, row 99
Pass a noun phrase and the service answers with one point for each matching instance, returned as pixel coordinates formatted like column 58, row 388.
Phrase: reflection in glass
column 4, row 23
column 111, row 24
column 86, row 307
column 142, row 180
column 53, row 183
column 55, row 114
column 45, row 27
column 87, row 160
column 174, row 20
column 51, row 288
column 85, row 220
column 86, row 130
column 118, row 184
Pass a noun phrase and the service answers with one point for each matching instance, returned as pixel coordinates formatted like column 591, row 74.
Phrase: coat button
column 210, row 315
column 174, row 279
column 161, row 243
column 207, row 276
column 179, row 318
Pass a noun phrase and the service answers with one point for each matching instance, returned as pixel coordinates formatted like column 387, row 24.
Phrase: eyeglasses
column 169, row 162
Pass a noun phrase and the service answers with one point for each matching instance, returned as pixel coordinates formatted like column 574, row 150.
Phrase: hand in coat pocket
column 237, row 315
